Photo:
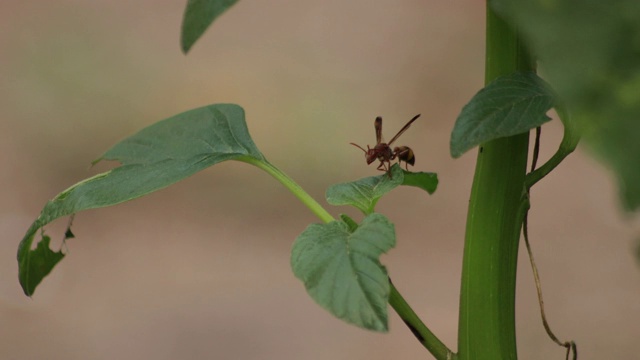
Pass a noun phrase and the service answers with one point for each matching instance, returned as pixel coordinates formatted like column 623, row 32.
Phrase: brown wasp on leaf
column 382, row 151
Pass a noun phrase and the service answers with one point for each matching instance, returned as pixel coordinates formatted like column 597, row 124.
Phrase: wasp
column 383, row 152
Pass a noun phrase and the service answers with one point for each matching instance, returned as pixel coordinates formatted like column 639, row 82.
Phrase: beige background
column 201, row 270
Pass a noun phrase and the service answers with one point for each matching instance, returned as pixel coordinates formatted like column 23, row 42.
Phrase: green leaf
column 198, row 15
column 37, row 264
column 154, row 158
column 426, row 181
column 365, row 193
column 507, row 106
column 341, row 269
column 589, row 51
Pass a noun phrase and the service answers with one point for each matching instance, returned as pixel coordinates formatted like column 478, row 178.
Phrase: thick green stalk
column 487, row 299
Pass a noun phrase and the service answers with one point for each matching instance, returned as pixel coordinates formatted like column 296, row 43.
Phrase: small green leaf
column 509, row 105
column 36, row 264
column 198, row 15
column 424, row 180
column 154, row 158
column 365, row 193
column 342, row 272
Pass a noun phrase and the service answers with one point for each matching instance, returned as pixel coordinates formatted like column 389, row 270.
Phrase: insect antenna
column 358, row 146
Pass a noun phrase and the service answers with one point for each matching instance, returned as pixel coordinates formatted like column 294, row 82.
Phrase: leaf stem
column 436, row 347
column 569, row 143
column 288, row 182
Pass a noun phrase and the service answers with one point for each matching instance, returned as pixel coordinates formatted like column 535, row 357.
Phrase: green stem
column 569, row 142
column 436, row 347
column 546, row 168
column 487, row 297
column 288, row 182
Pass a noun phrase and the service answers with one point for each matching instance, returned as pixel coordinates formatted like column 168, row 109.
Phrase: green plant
column 182, row 145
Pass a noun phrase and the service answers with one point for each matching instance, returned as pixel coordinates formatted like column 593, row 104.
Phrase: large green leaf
column 342, row 272
column 589, row 51
column 154, row 158
column 198, row 15
column 509, row 105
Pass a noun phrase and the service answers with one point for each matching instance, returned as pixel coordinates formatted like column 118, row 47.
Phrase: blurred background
column 200, row 270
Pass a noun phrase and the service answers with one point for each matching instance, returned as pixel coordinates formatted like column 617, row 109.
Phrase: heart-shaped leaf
column 342, row 272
